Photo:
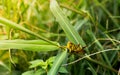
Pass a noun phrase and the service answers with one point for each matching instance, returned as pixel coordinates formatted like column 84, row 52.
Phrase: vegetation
column 65, row 37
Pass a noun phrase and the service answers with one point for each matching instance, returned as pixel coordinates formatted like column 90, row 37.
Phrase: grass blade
column 31, row 45
column 57, row 63
column 100, row 46
column 17, row 26
column 19, row 41
column 79, row 24
column 69, row 30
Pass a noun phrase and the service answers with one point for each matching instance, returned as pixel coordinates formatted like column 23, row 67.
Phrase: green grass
column 34, row 33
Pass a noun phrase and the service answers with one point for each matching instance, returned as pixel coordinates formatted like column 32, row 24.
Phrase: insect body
column 74, row 48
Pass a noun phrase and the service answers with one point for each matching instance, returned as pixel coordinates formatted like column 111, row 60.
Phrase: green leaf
column 4, row 65
column 63, row 70
column 28, row 73
column 79, row 24
column 20, row 41
column 19, row 27
column 40, row 72
column 64, row 22
column 35, row 63
column 37, row 72
column 57, row 63
column 41, row 63
column 30, row 45
column 92, row 69
column 90, row 33
column 50, row 61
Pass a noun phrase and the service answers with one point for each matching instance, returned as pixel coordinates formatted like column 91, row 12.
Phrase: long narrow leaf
column 31, row 45
column 19, row 41
column 69, row 30
column 17, row 26
column 100, row 46
column 57, row 63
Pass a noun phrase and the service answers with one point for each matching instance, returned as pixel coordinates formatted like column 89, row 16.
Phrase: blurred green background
column 97, row 22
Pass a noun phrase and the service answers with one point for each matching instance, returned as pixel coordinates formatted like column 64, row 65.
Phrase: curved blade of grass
column 69, row 30
column 79, row 24
column 31, row 45
column 19, row 41
column 17, row 26
column 4, row 65
column 57, row 63
column 92, row 69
